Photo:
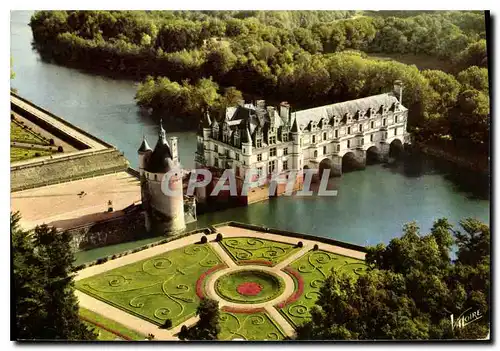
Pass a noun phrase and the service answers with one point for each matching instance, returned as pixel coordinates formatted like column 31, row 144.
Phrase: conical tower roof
column 161, row 160
column 295, row 128
column 144, row 146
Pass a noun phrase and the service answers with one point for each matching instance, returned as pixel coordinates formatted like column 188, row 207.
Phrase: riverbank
column 470, row 161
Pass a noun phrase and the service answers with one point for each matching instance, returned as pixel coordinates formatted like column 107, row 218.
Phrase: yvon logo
column 466, row 318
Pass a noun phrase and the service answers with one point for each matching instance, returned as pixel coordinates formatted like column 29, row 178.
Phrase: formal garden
column 264, row 288
column 26, row 143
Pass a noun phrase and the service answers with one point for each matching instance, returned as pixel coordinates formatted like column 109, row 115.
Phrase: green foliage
column 207, row 327
column 296, row 56
column 474, row 78
column 412, row 290
column 45, row 305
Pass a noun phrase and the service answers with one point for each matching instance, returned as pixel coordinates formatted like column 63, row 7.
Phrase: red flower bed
column 262, row 262
column 243, row 310
column 249, row 289
column 295, row 296
column 199, row 283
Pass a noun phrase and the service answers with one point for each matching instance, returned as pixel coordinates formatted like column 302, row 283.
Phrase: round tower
column 165, row 209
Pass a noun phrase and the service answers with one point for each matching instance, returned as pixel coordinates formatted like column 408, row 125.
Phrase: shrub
column 37, row 154
column 316, row 247
column 60, row 149
column 300, row 244
column 206, row 231
column 51, row 141
column 113, row 257
column 204, row 239
column 219, row 237
column 167, row 324
column 101, row 260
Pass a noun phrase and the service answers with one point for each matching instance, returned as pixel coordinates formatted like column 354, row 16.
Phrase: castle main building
column 271, row 139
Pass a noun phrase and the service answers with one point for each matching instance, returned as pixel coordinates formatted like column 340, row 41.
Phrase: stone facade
column 269, row 139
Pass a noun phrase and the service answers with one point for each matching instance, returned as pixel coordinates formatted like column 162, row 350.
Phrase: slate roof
column 144, row 146
column 161, row 160
column 305, row 117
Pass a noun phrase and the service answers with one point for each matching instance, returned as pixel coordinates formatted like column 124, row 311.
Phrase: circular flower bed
column 249, row 289
column 249, row 286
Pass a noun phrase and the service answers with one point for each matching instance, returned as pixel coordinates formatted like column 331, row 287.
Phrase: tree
column 45, row 304
column 411, row 290
column 207, row 327
column 474, row 77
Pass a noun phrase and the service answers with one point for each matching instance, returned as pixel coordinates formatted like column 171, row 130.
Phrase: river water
column 371, row 206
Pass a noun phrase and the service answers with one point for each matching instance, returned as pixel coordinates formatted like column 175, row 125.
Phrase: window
column 372, row 124
column 272, row 140
column 258, row 143
column 383, row 122
column 324, row 150
column 371, row 137
column 395, row 131
column 237, row 140
column 336, row 133
column 338, row 147
column 285, row 151
column 272, row 152
column 285, row 137
column 313, row 139
column 237, row 155
column 271, row 167
column 285, row 165
column 348, row 130
column 216, row 162
column 315, row 153
column 156, row 177
column 396, row 119
column 348, row 143
column 259, row 171
column 362, row 141
column 360, row 127
column 259, row 157
column 216, row 148
column 228, row 153
column 324, row 136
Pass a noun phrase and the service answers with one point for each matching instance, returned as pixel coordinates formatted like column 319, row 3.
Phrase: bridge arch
column 373, row 155
column 349, row 162
column 396, row 148
column 326, row 163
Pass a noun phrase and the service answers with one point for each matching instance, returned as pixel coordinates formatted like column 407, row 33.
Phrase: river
column 371, row 206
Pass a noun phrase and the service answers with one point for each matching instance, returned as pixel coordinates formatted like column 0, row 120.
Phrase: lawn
column 243, row 250
column 107, row 328
column 17, row 133
column 312, row 269
column 254, row 326
column 19, row 154
column 158, row 288
column 249, row 286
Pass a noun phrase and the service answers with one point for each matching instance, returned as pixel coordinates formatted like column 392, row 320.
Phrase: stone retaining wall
column 118, row 230
column 66, row 169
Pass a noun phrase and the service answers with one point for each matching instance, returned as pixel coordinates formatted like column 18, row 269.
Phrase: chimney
column 398, row 90
column 285, row 112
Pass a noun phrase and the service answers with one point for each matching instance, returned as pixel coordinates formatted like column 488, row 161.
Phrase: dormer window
column 285, row 137
column 215, row 134
column 236, row 139
column 258, row 143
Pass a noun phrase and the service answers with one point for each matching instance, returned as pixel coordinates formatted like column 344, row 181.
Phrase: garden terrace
column 261, row 296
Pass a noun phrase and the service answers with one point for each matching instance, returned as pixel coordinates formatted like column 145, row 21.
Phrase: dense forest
column 193, row 60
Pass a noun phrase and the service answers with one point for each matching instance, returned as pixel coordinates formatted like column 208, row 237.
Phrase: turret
column 164, row 210
column 246, row 141
column 297, row 156
column 144, row 153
